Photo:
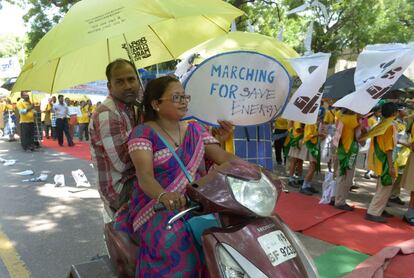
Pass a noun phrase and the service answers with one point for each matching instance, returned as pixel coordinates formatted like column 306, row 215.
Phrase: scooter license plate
column 277, row 247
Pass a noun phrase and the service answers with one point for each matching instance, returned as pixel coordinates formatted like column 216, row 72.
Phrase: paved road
column 50, row 228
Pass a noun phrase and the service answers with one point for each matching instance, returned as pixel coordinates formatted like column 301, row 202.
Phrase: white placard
column 244, row 87
column 304, row 104
column 378, row 68
column 9, row 67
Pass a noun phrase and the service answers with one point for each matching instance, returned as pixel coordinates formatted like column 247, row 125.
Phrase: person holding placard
column 167, row 154
column 311, row 143
column 297, row 153
column 385, row 168
column 407, row 180
column 347, row 152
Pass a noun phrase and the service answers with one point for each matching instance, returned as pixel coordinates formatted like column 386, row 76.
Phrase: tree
column 12, row 46
column 42, row 16
column 351, row 24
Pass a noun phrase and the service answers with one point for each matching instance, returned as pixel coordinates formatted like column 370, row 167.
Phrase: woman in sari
column 166, row 253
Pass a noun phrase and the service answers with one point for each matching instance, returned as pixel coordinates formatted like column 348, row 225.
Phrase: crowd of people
column 382, row 141
column 132, row 151
column 31, row 121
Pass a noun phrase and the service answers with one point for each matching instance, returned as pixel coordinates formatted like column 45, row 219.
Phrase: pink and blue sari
column 165, row 253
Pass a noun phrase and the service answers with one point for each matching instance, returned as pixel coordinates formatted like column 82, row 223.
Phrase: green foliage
column 11, row 45
column 351, row 24
column 42, row 15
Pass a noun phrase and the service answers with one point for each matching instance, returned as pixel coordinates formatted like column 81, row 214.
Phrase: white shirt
column 61, row 110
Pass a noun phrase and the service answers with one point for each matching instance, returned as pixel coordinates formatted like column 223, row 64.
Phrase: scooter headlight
column 258, row 196
column 230, row 268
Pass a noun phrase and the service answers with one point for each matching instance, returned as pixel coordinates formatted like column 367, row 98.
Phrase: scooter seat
column 122, row 250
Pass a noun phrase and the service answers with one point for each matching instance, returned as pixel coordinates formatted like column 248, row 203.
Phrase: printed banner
column 9, row 67
column 98, row 88
column 378, row 68
column 304, row 104
column 244, row 87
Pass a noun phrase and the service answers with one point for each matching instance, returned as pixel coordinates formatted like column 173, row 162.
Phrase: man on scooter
column 110, row 127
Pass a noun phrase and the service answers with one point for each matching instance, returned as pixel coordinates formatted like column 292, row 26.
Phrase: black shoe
column 313, row 190
column 306, row 191
column 332, row 203
column 293, row 184
column 345, row 207
column 410, row 221
column 353, row 187
column 71, row 145
column 396, row 200
column 386, row 214
column 374, row 218
column 299, row 182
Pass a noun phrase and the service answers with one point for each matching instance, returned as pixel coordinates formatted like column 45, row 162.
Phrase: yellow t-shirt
column 27, row 117
column 281, row 123
column 386, row 143
column 84, row 119
column 348, row 132
column 92, row 108
column 329, row 117
column 310, row 132
column 372, row 121
column 297, row 129
column 9, row 107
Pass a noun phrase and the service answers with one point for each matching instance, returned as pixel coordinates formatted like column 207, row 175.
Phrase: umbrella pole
column 133, row 62
column 140, row 97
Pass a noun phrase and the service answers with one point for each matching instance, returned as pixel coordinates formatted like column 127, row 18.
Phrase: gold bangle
column 159, row 196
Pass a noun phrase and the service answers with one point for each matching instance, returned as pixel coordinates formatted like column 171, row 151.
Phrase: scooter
column 248, row 239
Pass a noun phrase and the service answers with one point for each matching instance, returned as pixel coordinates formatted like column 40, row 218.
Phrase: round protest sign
column 246, row 88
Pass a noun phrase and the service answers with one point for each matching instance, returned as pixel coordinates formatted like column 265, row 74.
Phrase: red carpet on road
column 350, row 229
column 301, row 212
column 401, row 266
column 80, row 150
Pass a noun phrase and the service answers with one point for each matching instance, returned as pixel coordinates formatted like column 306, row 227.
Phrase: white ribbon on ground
column 304, row 104
column 378, row 68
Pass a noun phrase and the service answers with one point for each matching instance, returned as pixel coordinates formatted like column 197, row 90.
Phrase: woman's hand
column 224, row 131
column 173, row 200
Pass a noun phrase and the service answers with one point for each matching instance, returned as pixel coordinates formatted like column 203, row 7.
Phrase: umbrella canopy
column 246, row 41
column 94, row 33
column 341, row 84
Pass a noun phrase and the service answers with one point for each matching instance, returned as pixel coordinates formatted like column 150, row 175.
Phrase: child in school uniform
column 383, row 146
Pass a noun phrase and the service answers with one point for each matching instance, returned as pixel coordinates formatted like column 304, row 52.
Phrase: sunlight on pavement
column 15, row 266
column 49, row 190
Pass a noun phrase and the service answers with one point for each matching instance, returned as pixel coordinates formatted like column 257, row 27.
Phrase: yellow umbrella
column 247, row 41
column 94, row 32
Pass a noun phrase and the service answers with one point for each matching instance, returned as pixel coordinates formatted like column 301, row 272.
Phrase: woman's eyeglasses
column 178, row 98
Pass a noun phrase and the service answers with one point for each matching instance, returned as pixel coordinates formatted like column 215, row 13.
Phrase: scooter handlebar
column 159, row 207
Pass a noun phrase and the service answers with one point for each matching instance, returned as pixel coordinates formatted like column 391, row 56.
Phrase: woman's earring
column 157, row 109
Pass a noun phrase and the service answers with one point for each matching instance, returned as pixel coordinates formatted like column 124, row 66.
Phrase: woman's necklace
column 179, row 134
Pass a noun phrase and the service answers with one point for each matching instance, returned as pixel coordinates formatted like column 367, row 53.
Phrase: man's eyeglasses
column 178, row 98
